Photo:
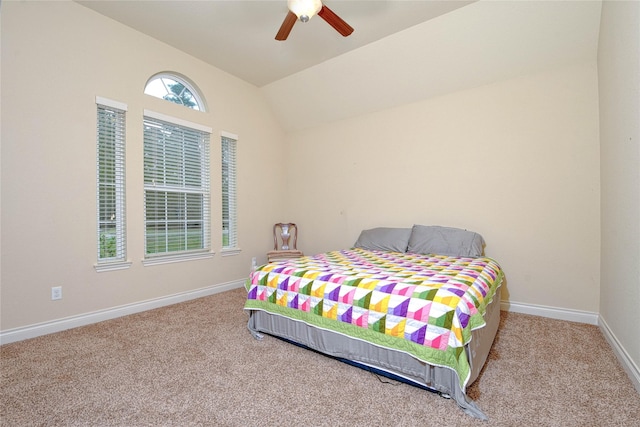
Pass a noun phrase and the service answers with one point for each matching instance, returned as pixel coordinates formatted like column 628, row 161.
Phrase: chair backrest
column 287, row 230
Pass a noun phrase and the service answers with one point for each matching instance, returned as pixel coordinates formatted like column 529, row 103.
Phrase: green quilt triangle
column 379, row 325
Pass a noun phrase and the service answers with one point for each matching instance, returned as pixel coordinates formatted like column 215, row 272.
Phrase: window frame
column 229, row 192
column 111, row 149
column 152, row 117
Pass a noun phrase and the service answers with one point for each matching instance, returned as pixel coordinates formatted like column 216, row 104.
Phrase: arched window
column 177, row 191
column 176, row 89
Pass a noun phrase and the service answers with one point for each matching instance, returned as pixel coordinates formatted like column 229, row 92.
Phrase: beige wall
column 56, row 57
column 619, row 85
column 517, row 161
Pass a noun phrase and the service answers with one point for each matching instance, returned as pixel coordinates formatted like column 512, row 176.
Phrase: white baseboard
column 32, row 331
column 551, row 312
column 625, row 360
column 582, row 317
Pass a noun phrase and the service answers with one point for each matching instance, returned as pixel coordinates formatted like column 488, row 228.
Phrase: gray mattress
column 440, row 379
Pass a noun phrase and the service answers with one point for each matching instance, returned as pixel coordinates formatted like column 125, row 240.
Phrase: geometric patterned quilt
column 425, row 305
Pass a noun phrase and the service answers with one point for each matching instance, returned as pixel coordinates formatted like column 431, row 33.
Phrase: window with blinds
column 176, row 186
column 229, row 214
column 111, row 233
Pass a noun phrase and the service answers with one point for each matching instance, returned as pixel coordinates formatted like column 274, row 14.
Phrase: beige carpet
column 195, row 364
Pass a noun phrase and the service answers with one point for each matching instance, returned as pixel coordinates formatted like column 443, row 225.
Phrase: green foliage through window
column 174, row 89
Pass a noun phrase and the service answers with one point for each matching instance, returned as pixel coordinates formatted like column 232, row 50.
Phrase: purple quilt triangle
column 418, row 335
column 401, row 309
column 334, row 295
column 347, row 316
column 284, row 284
column 325, row 278
column 464, row 319
column 253, row 293
column 456, row 291
column 387, row 288
column 294, row 302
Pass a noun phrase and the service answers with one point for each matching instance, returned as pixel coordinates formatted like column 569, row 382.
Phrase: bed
column 419, row 304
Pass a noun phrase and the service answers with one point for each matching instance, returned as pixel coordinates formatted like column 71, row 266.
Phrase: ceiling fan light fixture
column 304, row 9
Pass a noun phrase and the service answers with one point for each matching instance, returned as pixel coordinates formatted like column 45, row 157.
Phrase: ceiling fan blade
column 335, row 21
column 286, row 26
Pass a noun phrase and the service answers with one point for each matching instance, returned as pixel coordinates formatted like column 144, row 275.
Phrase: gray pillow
column 384, row 239
column 449, row 241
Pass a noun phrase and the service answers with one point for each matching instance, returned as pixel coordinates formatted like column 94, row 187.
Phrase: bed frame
column 387, row 361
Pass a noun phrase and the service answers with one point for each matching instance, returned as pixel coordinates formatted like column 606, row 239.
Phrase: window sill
column 112, row 266
column 230, row 251
column 168, row 259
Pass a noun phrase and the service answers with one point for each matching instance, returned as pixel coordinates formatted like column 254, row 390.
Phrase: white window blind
column 229, row 213
column 111, row 181
column 176, row 188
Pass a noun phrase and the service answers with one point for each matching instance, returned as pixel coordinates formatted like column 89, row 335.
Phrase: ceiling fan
column 304, row 10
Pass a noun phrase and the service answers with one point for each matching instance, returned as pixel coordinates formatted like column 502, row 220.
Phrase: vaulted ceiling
column 238, row 36
column 401, row 51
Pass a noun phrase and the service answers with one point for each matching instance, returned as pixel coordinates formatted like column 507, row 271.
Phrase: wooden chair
column 285, row 231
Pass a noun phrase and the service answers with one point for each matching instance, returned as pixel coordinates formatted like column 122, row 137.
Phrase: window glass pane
column 174, row 89
column 156, row 237
column 194, row 206
column 107, row 241
column 155, row 202
column 194, row 235
column 176, row 237
column 175, row 206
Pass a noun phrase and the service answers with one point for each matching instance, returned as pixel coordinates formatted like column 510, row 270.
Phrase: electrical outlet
column 56, row 293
